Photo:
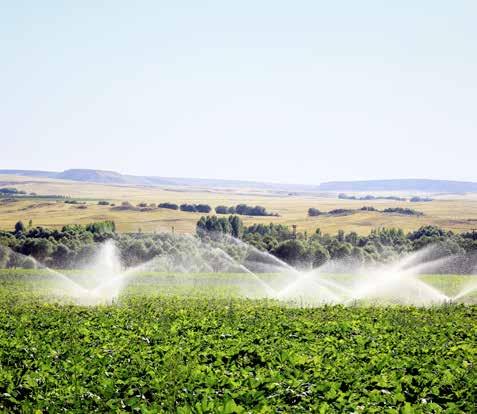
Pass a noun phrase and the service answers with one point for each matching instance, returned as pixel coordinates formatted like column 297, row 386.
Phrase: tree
column 170, row 206
column 19, row 227
column 40, row 249
column 188, row 207
column 203, row 208
column 237, row 226
column 341, row 236
column 221, row 210
column 313, row 212
column 319, row 255
column 61, row 256
column 343, row 251
column 213, row 226
column 352, row 238
column 291, row 251
column 357, row 255
column 245, row 210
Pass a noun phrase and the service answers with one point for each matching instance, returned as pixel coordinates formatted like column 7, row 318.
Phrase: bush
column 221, row 210
column 405, row 211
column 203, row 208
column 245, row 210
column 196, row 208
column 340, row 211
column 188, row 207
column 103, row 203
column 418, row 199
column 170, row 206
column 291, row 251
column 313, row 212
column 11, row 191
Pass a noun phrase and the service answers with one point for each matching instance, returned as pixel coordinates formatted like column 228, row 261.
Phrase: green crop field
column 171, row 343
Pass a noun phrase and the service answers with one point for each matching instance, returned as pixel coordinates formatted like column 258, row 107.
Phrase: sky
column 270, row 90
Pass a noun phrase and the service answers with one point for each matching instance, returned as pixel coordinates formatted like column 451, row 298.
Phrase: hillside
column 457, row 213
column 428, row 186
column 112, row 177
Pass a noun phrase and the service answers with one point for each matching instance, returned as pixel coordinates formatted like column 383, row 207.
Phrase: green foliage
column 319, row 254
column 405, row 211
column 19, row 227
column 291, row 251
column 244, row 210
column 190, row 355
column 313, row 212
column 196, row 208
column 231, row 225
column 106, row 226
column 75, row 243
column 9, row 191
column 171, row 206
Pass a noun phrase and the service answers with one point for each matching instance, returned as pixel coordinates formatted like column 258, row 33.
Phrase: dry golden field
column 453, row 212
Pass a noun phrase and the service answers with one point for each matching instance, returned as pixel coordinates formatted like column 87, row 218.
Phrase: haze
column 274, row 90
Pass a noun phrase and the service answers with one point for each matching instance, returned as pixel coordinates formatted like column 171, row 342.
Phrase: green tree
column 19, row 227
column 291, row 251
column 237, row 226
column 319, row 255
column 61, row 256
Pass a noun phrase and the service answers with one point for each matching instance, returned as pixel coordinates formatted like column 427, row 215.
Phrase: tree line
column 74, row 245
column 380, row 246
column 244, row 210
column 314, row 212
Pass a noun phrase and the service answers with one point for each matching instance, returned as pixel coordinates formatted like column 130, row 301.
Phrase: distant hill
column 95, row 176
column 112, row 177
column 428, row 186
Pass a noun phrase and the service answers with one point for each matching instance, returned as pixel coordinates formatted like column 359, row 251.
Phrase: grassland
column 168, row 352
column 453, row 212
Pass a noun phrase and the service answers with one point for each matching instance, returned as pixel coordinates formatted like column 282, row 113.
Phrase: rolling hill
column 115, row 178
column 420, row 185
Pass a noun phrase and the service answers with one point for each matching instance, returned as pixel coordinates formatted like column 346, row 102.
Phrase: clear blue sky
column 284, row 91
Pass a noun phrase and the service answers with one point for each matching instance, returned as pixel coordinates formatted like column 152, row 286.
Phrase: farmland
column 451, row 212
column 184, row 347
column 173, row 337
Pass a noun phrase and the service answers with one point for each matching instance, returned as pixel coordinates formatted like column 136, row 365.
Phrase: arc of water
column 402, row 273
column 74, row 286
column 306, row 277
column 268, row 289
column 470, row 288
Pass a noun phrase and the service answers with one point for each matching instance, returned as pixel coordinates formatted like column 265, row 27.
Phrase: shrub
column 203, row 208
column 188, row 207
column 313, row 212
column 221, row 210
column 340, row 211
column 170, row 206
column 405, row 211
